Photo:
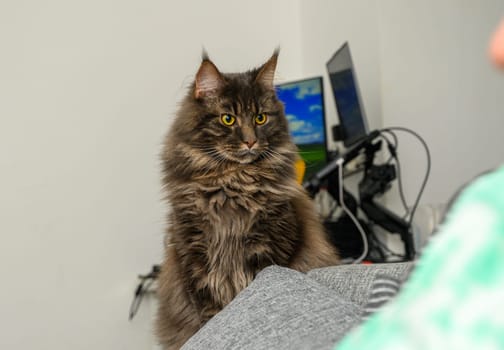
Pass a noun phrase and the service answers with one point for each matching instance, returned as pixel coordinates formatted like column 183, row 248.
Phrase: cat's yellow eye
column 227, row 119
column 260, row 119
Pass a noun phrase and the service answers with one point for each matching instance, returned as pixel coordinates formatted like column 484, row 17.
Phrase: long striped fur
column 235, row 204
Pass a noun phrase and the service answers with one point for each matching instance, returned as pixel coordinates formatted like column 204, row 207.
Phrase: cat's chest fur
column 233, row 220
column 232, row 204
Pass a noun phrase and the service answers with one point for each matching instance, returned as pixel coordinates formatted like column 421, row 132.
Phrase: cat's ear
column 266, row 73
column 208, row 79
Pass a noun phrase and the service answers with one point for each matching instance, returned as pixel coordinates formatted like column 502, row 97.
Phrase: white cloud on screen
column 308, row 88
column 306, row 139
column 304, row 88
column 298, row 126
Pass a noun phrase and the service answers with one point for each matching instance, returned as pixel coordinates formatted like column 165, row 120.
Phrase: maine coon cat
column 229, row 176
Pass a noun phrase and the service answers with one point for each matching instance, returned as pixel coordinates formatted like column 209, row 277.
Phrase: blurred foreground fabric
column 455, row 295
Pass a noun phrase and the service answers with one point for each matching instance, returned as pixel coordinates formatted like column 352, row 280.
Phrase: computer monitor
column 353, row 122
column 304, row 109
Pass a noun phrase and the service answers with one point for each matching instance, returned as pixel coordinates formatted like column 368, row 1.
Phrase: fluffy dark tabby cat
column 228, row 166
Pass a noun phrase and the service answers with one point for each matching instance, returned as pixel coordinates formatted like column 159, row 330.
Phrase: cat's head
column 235, row 117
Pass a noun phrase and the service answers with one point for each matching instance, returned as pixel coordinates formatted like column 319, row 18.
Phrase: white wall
column 87, row 91
column 421, row 65
column 437, row 80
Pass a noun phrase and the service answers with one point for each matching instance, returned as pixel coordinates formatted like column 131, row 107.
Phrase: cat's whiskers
column 287, row 151
column 216, row 161
column 279, row 157
column 215, row 155
column 276, row 160
column 270, row 155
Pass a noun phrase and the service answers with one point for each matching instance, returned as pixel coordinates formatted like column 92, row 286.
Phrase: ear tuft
column 208, row 79
column 204, row 55
column 266, row 75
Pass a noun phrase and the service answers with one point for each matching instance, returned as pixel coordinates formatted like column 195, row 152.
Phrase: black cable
column 140, row 291
column 394, row 136
column 390, row 146
column 332, row 210
column 427, row 172
column 375, row 249
column 143, row 287
column 399, row 176
column 401, row 188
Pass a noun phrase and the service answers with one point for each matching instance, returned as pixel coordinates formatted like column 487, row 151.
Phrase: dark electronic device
column 376, row 181
column 345, row 90
column 353, row 131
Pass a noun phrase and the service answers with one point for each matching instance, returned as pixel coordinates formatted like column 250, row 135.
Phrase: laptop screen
column 346, row 95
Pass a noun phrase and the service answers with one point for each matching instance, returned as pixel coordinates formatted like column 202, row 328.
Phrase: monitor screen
column 304, row 109
column 346, row 95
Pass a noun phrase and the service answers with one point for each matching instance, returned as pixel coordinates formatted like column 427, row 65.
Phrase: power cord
column 427, row 172
column 392, row 148
column 143, row 288
column 350, row 214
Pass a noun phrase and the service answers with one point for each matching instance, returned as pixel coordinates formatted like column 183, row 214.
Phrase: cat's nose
column 250, row 143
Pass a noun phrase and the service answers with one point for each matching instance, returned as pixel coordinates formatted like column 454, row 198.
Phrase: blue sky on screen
column 304, row 110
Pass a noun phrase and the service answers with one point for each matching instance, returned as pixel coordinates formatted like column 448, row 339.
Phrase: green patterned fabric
column 454, row 298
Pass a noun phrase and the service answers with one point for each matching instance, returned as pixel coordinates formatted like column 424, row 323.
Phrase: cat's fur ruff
column 235, row 209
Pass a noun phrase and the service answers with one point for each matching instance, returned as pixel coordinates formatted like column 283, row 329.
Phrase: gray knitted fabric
column 384, row 289
column 280, row 309
column 354, row 282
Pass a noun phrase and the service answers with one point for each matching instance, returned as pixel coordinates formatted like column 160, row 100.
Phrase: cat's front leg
column 177, row 318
